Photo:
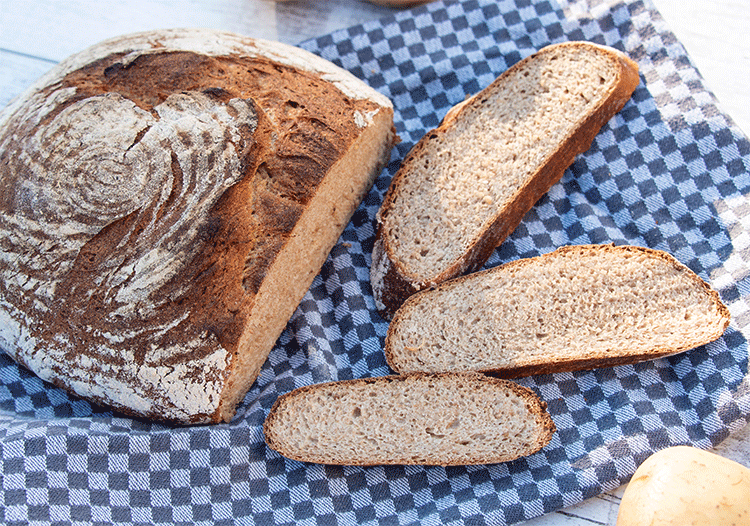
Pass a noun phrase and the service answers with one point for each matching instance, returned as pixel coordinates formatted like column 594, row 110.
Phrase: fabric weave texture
column 671, row 171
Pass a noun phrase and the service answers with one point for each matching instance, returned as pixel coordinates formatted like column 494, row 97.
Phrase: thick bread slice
column 445, row 419
column 467, row 184
column 166, row 199
column 578, row 307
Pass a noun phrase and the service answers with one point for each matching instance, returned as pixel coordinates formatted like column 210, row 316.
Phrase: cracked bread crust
column 166, row 199
column 508, row 145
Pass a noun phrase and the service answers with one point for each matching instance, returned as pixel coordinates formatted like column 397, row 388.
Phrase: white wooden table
column 36, row 35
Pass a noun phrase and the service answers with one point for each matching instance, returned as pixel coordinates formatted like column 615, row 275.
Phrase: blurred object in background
column 392, row 3
column 400, row 3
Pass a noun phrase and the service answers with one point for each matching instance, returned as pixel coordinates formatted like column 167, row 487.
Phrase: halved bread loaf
column 166, row 199
column 467, row 184
column 578, row 307
column 441, row 419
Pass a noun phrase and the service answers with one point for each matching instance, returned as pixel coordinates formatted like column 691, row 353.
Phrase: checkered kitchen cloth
column 670, row 171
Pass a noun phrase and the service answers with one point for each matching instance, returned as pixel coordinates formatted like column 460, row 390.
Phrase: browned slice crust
column 579, row 307
column 399, row 264
column 433, row 419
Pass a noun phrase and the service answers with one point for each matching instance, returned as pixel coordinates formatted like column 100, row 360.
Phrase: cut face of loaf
column 166, row 199
column 443, row 419
column 467, row 184
column 579, row 307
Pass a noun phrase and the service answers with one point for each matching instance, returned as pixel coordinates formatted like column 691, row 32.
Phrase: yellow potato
column 682, row 486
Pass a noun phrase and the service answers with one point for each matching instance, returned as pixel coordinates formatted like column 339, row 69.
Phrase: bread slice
column 467, row 184
column 166, row 199
column 579, row 307
column 445, row 419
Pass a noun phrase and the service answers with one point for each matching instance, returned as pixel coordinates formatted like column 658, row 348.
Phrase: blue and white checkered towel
column 670, row 171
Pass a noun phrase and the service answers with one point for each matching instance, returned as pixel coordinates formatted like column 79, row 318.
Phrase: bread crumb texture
column 447, row 419
column 475, row 165
column 580, row 305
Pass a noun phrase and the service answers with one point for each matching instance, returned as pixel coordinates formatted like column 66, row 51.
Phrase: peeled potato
column 682, row 486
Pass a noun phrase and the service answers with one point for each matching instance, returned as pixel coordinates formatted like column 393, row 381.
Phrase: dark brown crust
column 537, row 408
column 567, row 365
column 398, row 284
column 299, row 128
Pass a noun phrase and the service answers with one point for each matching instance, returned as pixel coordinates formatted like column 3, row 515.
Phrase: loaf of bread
column 433, row 419
column 166, row 199
column 578, row 307
column 466, row 185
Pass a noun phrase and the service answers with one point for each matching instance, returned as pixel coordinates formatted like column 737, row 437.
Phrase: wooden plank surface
column 36, row 35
